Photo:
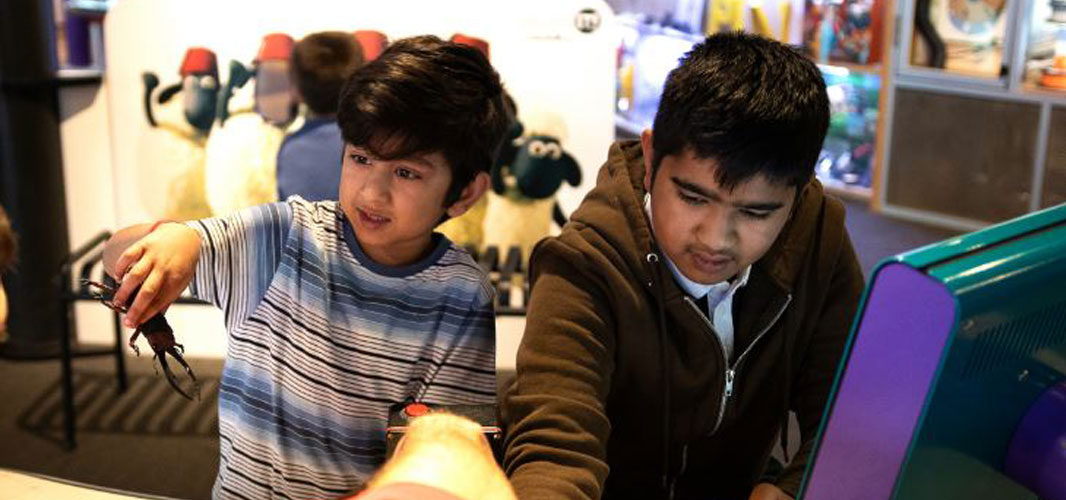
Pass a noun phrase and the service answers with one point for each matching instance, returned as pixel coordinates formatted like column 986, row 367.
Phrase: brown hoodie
column 611, row 340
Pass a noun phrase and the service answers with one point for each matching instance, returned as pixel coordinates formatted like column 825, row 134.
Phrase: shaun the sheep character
column 522, row 205
column 243, row 147
column 170, row 178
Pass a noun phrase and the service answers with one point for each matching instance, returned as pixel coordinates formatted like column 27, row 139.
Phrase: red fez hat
column 477, row 43
column 199, row 61
column 372, row 42
column 275, row 47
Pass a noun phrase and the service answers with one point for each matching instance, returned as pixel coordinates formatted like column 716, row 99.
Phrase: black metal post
column 120, row 359
column 66, row 357
column 31, row 176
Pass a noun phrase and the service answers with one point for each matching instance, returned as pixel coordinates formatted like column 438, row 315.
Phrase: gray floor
column 876, row 237
column 150, row 441
column 147, row 440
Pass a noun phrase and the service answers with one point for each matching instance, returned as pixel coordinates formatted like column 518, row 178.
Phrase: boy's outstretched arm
column 160, row 262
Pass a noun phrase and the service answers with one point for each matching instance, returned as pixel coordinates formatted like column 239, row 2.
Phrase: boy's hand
column 161, row 264
column 767, row 491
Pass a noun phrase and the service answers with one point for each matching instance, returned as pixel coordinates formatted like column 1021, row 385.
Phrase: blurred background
column 947, row 116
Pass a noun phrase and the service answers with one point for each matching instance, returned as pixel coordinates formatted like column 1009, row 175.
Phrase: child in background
column 8, row 251
column 309, row 161
column 338, row 310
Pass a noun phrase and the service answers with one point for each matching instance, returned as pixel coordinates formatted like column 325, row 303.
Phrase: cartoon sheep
column 243, row 147
column 170, row 177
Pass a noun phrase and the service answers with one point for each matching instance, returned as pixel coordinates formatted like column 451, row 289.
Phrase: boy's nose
column 718, row 231
column 377, row 186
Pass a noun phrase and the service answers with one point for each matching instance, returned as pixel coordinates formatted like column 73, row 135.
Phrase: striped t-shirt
column 322, row 341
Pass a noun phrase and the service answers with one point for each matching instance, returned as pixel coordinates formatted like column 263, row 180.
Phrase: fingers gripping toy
column 243, row 147
column 171, row 180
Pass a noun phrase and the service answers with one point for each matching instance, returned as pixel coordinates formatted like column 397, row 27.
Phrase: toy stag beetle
column 160, row 337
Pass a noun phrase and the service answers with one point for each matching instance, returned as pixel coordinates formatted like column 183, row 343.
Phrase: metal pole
column 31, row 175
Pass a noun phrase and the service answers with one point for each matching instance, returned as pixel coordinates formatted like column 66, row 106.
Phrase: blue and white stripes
column 322, row 341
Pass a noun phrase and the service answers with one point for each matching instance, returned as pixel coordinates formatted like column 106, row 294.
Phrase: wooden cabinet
column 972, row 138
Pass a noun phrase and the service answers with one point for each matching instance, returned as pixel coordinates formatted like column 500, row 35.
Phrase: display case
column 845, row 38
column 648, row 52
column 1045, row 47
column 974, row 111
column 847, row 159
column 79, row 36
column 844, row 32
column 960, row 37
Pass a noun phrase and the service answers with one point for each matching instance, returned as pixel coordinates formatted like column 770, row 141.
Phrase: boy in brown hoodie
column 702, row 291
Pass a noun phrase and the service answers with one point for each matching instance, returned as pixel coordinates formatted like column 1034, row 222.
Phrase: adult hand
column 160, row 264
column 767, row 491
column 449, row 453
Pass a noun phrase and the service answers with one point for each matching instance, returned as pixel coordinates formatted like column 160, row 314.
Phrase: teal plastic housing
column 1003, row 349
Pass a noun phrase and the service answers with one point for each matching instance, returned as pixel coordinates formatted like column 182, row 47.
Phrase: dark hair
column 321, row 63
column 753, row 105
column 426, row 95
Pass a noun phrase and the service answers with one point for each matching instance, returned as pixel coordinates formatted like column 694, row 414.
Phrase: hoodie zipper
column 731, row 371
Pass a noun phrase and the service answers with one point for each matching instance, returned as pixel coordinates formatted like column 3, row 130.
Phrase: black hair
column 753, row 105
column 426, row 95
column 321, row 63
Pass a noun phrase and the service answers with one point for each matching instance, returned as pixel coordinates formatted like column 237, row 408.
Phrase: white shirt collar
column 695, row 289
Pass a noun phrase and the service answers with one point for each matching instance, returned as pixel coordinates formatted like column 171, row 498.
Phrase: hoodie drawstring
column 664, row 359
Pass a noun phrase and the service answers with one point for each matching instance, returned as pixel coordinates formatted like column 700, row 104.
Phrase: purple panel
column 78, row 44
column 906, row 322
column 1037, row 454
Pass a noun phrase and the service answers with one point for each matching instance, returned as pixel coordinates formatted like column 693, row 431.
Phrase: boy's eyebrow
column 700, row 190
column 415, row 158
column 419, row 159
column 695, row 188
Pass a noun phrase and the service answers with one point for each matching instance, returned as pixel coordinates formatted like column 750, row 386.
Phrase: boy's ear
column 649, row 157
column 470, row 195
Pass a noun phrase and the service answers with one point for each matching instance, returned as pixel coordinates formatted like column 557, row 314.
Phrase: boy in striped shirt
column 337, row 310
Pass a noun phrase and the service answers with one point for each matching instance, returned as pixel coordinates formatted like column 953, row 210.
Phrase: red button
column 416, row 410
